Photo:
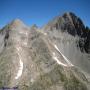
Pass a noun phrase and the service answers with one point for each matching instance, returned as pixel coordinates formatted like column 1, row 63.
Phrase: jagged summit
column 69, row 13
column 68, row 22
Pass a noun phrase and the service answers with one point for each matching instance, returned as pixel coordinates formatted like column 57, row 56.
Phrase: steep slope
column 35, row 59
column 73, row 25
column 72, row 38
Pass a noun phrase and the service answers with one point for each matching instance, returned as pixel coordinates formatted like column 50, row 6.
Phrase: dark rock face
column 70, row 23
column 87, row 41
column 55, row 57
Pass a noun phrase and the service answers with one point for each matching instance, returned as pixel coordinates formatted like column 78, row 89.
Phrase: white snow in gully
column 63, row 56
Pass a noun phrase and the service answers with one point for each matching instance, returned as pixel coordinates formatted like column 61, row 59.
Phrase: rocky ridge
column 55, row 57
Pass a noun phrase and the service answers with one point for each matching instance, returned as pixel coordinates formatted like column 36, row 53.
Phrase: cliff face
column 55, row 57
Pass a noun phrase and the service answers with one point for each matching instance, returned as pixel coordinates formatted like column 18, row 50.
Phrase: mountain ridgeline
column 74, row 26
column 54, row 57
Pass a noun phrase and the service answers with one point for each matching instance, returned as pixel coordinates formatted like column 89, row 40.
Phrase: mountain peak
column 69, row 13
column 68, row 22
column 17, row 23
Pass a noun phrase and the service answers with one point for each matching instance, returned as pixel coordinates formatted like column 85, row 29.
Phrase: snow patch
column 58, row 61
column 19, row 73
column 63, row 56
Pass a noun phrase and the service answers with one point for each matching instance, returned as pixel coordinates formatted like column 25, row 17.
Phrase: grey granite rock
column 46, row 58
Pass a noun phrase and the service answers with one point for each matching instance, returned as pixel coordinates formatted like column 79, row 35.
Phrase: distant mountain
column 54, row 57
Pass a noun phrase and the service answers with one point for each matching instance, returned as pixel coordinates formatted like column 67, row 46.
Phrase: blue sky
column 41, row 11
